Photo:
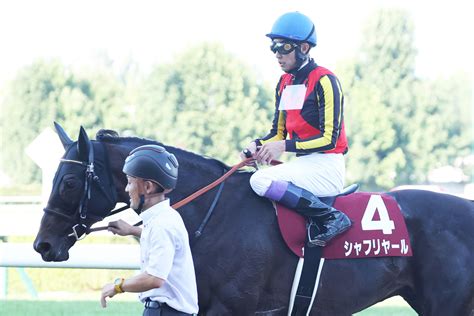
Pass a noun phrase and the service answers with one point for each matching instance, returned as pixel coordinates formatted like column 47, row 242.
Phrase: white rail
column 86, row 256
column 23, row 218
column 20, row 199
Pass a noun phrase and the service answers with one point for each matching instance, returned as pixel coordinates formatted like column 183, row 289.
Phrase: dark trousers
column 153, row 308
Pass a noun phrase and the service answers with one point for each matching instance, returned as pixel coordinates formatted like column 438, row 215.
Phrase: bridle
column 80, row 226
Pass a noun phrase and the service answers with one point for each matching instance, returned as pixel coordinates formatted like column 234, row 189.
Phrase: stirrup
column 322, row 243
column 313, row 242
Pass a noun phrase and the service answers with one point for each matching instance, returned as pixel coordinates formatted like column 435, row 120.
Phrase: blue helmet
column 294, row 26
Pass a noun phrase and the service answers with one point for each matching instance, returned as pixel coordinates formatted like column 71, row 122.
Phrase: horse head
column 83, row 179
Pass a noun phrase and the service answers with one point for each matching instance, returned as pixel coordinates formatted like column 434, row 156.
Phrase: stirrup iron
column 313, row 242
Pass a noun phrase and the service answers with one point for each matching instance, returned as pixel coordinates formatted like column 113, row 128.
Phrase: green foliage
column 400, row 125
column 47, row 91
column 24, row 110
column 205, row 101
column 209, row 102
column 444, row 125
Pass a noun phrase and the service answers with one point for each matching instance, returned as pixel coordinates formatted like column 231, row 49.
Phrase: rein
column 192, row 197
column 209, row 186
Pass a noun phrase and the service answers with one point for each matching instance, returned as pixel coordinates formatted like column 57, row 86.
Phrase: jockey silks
column 313, row 118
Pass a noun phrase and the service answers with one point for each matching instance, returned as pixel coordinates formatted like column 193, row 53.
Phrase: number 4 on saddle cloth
column 378, row 229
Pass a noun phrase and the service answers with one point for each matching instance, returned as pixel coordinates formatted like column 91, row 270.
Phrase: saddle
column 329, row 200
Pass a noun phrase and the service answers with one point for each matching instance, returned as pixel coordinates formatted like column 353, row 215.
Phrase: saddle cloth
column 378, row 228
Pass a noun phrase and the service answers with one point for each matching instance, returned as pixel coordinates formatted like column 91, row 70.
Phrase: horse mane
column 111, row 136
column 106, row 132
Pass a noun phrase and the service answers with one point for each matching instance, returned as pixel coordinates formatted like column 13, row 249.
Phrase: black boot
column 334, row 224
column 331, row 221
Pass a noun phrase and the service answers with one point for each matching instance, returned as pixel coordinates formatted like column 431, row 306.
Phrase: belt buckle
column 152, row 304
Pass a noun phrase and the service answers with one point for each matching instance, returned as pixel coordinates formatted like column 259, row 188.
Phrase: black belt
column 157, row 305
column 153, row 304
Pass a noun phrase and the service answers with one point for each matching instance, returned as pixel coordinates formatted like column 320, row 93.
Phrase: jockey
column 308, row 121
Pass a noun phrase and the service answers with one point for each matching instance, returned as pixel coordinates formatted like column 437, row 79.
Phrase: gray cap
column 153, row 163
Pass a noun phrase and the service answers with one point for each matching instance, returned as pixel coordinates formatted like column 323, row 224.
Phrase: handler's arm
column 142, row 282
column 139, row 283
column 122, row 228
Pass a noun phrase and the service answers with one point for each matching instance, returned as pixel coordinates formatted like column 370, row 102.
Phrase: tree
column 380, row 96
column 205, row 101
column 399, row 125
column 443, row 125
column 47, row 91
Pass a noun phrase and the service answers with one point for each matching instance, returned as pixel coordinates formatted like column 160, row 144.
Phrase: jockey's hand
column 252, row 148
column 270, row 151
column 121, row 228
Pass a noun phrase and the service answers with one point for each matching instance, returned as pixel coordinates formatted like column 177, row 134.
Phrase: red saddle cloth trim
column 366, row 237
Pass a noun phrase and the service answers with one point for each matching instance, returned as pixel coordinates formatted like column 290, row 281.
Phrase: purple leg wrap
column 276, row 190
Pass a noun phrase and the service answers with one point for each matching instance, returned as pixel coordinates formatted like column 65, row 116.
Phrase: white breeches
column 321, row 174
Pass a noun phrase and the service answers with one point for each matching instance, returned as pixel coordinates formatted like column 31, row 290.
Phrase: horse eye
column 70, row 183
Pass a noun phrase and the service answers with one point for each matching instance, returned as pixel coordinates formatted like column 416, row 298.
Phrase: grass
column 68, row 308
column 118, row 308
column 387, row 311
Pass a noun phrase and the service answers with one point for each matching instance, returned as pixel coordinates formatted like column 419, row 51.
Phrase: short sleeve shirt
column 165, row 253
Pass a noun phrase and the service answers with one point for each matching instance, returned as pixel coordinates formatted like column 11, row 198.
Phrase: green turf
column 68, row 308
column 387, row 311
column 91, row 308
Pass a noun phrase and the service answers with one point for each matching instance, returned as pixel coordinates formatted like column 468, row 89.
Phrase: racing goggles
column 283, row 48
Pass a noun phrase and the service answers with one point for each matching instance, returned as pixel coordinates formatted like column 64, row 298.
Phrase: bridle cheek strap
column 81, row 228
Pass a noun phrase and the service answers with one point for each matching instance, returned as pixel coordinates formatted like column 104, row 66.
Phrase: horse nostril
column 43, row 247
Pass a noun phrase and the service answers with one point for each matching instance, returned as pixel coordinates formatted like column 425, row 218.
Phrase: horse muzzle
column 50, row 251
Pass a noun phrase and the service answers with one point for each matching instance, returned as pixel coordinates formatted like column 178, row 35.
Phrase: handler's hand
column 107, row 291
column 270, row 151
column 120, row 227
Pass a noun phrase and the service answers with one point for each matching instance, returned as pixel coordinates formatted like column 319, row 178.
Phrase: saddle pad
column 378, row 228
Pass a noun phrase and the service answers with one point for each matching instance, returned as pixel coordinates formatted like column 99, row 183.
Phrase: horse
column 242, row 264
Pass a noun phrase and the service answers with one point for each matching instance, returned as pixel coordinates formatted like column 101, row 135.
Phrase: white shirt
column 165, row 253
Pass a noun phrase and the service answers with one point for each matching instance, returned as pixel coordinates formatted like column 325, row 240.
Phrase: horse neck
column 117, row 154
column 195, row 172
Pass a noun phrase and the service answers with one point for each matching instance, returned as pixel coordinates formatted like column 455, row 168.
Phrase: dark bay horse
column 243, row 266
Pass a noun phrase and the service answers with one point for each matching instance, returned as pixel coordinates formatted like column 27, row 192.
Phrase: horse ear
column 65, row 140
column 83, row 145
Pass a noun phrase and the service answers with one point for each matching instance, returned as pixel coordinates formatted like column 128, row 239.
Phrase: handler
column 167, row 283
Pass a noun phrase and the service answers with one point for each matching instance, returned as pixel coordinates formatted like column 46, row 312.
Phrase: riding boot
column 333, row 222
